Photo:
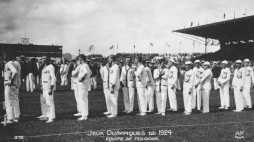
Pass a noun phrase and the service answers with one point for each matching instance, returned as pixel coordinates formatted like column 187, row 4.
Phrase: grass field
column 216, row 126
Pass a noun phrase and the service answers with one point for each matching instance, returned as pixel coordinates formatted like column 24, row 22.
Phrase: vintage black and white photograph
column 126, row 70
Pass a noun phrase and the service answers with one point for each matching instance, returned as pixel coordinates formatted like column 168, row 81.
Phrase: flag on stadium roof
column 151, row 44
column 167, row 44
column 112, row 47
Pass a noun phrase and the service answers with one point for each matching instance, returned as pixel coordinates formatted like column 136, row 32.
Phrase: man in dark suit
column 216, row 73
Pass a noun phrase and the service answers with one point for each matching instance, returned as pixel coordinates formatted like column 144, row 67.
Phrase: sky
column 78, row 24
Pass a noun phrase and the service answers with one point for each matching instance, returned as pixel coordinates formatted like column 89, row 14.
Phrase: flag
column 245, row 13
column 193, row 44
column 134, row 45
column 224, row 15
column 91, row 47
column 151, row 44
column 198, row 23
column 167, row 44
column 191, row 23
column 112, row 47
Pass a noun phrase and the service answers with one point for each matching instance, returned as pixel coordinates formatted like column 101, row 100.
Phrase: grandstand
column 236, row 38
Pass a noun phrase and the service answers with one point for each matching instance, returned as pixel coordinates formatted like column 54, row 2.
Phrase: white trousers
column 16, row 106
column 161, row 100
column 178, row 84
column 142, row 100
column 64, row 79
column 238, row 98
column 224, row 96
column 10, row 102
column 149, row 92
column 77, row 98
column 44, row 107
column 246, row 95
column 128, row 98
column 107, row 98
column 93, row 82
column 187, row 98
column 205, row 96
column 83, row 100
column 215, row 83
column 172, row 97
column 50, row 111
column 196, row 98
column 30, row 86
column 72, row 79
column 113, row 103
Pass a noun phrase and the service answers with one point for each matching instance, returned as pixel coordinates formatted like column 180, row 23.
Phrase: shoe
column 237, row 111
column 142, row 114
column 77, row 114
column 249, row 107
column 204, row 112
column 226, row 108
column 7, row 122
column 129, row 111
column 106, row 113
column 125, row 111
column 111, row 116
column 174, row 110
column 16, row 120
column 158, row 113
column 41, row 116
column 150, row 111
column 221, row 108
column 187, row 113
column 170, row 109
column 163, row 114
column 44, row 118
column 82, row 118
column 49, row 121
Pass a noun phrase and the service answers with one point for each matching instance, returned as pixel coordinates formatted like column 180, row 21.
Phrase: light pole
column 79, row 52
column 179, row 47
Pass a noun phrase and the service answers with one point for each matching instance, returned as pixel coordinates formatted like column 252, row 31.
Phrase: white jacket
column 224, row 76
column 105, row 71
column 74, row 74
column 161, row 83
column 188, row 82
column 205, row 81
column 127, row 76
column 114, row 77
column 48, row 77
column 238, row 79
column 172, row 75
column 149, row 77
column 248, row 75
column 140, row 77
column 84, row 71
column 198, row 74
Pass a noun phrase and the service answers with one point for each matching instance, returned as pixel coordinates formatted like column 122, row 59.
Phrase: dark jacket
column 216, row 71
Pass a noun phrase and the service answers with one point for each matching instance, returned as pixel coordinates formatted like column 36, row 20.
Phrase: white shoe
column 237, row 111
column 150, row 111
column 106, row 113
column 163, row 114
column 174, row 109
column 125, row 111
column 7, row 122
column 16, row 120
column 82, row 118
column 204, row 112
column 226, row 108
column 169, row 109
column 42, row 116
column 221, row 107
column 77, row 114
column 187, row 113
column 111, row 116
column 129, row 111
column 49, row 121
column 249, row 107
column 142, row 114
column 158, row 113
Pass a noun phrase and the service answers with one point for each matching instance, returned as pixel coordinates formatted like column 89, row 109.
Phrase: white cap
column 172, row 60
column 224, row 62
column 238, row 61
column 207, row 63
column 188, row 63
column 197, row 61
column 214, row 62
column 246, row 60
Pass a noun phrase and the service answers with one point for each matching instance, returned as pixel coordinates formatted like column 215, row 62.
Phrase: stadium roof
column 231, row 30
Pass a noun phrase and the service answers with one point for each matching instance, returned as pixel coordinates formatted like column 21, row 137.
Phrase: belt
column 45, row 81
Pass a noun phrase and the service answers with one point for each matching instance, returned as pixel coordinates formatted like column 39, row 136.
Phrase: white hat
column 188, row 63
column 197, row 61
column 224, row 62
column 207, row 63
column 246, row 60
column 214, row 62
column 238, row 61
column 172, row 60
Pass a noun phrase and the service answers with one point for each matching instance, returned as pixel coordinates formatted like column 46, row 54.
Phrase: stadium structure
column 235, row 37
column 30, row 50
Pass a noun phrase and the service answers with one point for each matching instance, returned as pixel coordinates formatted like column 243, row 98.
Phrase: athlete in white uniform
column 75, row 74
column 105, row 72
column 172, row 84
column 141, row 84
column 64, row 73
column 205, row 86
column 223, row 82
column 161, row 78
column 114, row 80
column 10, row 84
column 127, row 82
column 248, row 80
column 48, row 81
column 237, row 85
column 188, row 88
column 83, row 87
column 198, row 70
column 149, row 91
column 16, row 106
